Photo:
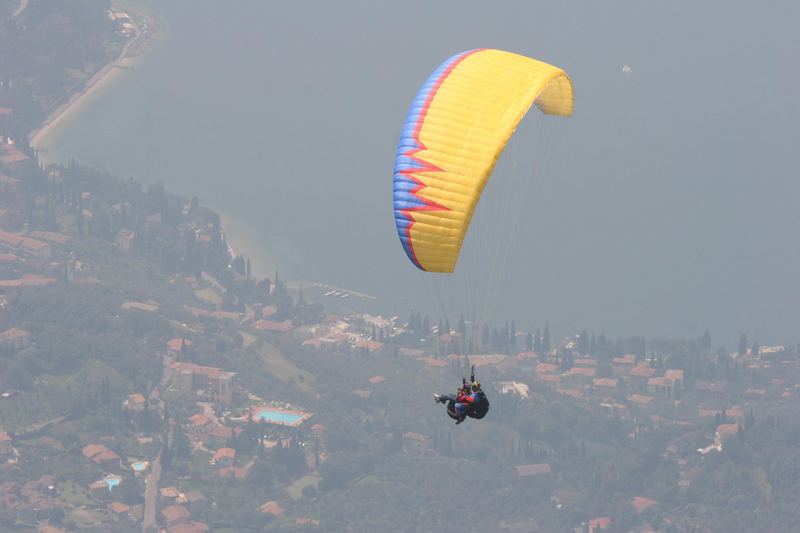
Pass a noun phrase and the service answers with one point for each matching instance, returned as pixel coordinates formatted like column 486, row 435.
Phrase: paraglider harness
column 477, row 410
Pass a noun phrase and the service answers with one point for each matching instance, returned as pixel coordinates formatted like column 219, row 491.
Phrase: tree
column 583, row 342
column 546, row 346
column 706, row 344
column 742, row 345
column 513, row 335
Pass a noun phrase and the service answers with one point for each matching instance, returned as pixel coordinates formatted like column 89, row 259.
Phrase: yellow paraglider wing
column 456, row 129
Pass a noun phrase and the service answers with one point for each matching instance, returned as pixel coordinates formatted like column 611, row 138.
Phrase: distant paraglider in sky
column 628, row 73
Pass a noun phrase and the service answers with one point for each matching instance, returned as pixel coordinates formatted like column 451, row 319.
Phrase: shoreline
column 103, row 77
column 240, row 239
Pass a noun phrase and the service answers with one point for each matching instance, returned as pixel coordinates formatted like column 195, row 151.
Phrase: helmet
column 476, row 385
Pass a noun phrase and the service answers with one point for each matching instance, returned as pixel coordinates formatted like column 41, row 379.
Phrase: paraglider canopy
column 457, row 127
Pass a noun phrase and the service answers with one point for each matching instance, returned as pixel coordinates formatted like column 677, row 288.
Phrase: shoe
column 459, row 421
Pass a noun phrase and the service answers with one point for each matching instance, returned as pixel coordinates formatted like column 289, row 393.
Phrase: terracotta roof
column 13, row 156
column 659, row 382
column 51, row 236
column 119, row 507
column 199, row 419
column 169, row 492
column 173, row 513
column 226, row 315
column 416, row 436
column 105, row 455
column 582, row 371
column 640, row 503
column 640, row 399
column 728, row 429
column 174, row 345
column 430, row 361
column 269, row 325
column 13, row 334
column 372, row 346
column 51, row 529
column 533, row 470
column 90, row 450
column 545, row 368
column 605, row 382
column 709, row 386
column 273, row 508
column 642, row 371
column 674, row 374
column 599, row 523
column 135, row 398
column 224, row 453
column 27, row 280
column 233, row 471
column 189, row 527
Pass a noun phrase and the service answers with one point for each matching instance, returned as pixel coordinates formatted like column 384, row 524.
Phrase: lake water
column 670, row 205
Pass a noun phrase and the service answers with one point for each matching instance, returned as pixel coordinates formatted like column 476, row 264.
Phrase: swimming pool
column 138, row 466
column 273, row 416
column 112, row 481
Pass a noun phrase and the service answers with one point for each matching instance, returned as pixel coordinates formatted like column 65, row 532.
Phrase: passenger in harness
column 470, row 401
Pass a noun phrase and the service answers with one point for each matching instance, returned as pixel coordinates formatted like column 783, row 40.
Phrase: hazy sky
column 671, row 201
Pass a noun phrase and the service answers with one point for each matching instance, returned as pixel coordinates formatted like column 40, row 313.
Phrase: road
column 150, row 495
column 33, row 429
column 151, row 490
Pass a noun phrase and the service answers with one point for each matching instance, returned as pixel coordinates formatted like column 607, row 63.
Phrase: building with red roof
column 189, row 527
column 16, row 338
column 224, row 457
column 545, row 368
column 51, row 237
column 269, row 325
column 273, row 508
column 640, row 503
column 533, row 470
column 213, row 384
column 178, row 344
column 6, row 446
column 174, row 514
column 90, row 450
column 119, row 509
column 107, row 459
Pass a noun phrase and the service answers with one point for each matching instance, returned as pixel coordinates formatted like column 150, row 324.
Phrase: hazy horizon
column 668, row 207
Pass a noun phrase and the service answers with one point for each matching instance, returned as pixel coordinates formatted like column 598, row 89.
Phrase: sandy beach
column 103, row 78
